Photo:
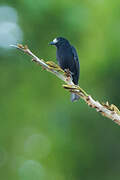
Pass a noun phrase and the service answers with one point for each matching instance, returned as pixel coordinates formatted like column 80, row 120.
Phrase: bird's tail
column 74, row 97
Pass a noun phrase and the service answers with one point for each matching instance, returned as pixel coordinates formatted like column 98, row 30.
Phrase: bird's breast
column 65, row 57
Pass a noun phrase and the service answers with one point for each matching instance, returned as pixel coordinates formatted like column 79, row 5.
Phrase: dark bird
column 68, row 60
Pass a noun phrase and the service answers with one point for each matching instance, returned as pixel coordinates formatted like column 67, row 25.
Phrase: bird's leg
column 68, row 74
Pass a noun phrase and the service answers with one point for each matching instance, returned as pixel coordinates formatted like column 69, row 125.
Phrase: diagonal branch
column 110, row 111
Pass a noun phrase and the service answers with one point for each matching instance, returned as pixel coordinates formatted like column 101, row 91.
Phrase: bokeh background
column 43, row 136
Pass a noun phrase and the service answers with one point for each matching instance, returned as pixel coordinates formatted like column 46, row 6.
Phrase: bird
column 67, row 58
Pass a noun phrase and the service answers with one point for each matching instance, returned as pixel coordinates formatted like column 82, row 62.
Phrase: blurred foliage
column 42, row 134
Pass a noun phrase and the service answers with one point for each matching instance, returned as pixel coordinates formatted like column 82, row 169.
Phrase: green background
column 43, row 136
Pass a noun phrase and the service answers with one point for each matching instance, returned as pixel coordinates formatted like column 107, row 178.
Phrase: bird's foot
column 68, row 78
column 68, row 74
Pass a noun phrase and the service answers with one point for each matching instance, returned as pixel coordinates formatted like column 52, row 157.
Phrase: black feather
column 67, row 57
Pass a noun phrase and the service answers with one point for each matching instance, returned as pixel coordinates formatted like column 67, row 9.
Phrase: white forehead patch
column 55, row 40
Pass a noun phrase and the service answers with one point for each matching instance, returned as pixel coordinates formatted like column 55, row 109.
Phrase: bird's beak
column 51, row 43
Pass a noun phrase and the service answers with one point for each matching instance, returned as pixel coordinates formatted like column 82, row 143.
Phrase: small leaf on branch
column 25, row 47
column 54, row 66
column 20, row 46
column 111, row 107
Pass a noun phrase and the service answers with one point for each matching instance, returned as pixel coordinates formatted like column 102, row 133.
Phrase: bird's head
column 58, row 41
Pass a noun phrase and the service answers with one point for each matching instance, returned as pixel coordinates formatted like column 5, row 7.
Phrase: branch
column 109, row 111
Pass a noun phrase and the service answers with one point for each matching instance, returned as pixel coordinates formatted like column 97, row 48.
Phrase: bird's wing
column 76, row 59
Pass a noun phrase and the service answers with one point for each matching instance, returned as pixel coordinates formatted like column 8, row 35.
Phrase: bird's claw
column 67, row 72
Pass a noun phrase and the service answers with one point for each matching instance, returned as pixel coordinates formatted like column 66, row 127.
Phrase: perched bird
column 68, row 60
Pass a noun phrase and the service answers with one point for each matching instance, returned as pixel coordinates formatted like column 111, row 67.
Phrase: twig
column 110, row 111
